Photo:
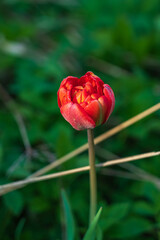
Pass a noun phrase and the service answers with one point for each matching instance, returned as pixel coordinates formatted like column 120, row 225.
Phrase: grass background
column 41, row 42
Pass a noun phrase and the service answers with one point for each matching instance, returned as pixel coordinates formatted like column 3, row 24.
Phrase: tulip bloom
column 85, row 102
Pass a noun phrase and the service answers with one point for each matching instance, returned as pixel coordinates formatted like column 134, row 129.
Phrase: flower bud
column 85, row 102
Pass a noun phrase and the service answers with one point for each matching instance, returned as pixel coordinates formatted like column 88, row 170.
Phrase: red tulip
column 85, row 102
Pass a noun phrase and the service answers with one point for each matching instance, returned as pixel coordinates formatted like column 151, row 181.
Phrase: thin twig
column 15, row 164
column 128, row 159
column 18, row 184
column 142, row 174
column 108, row 68
column 117, row 71
column 11, row 105
column 107, row 155
column 149, row 61
column 123, row 174
column 97, row 140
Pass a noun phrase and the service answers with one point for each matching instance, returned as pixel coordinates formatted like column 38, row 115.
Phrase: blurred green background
column 41, row 42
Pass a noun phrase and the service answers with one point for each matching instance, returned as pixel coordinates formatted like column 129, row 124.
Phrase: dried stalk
column 11, row 105
column 137, row 172
column 18, row 184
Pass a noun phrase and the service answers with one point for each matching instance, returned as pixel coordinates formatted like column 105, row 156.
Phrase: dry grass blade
column 121, row 174
column 15, row 185
column 108, row 68
column 97, row 140
column 11, row 105
column 128, row 159
column 136, row 171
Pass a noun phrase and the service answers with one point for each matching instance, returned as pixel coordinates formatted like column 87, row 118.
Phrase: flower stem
column 93, row 181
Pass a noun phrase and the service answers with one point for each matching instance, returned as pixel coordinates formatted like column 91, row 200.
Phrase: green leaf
column 114, row 214
column 14, row 202
column 131, row 228
column 144, row 209
column 39, row 205
column 19, row 228
column 69, row 220
column 91, row 232
column 99, row 233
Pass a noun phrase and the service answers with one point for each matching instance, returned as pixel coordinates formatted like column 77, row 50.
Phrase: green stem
column 93, row 181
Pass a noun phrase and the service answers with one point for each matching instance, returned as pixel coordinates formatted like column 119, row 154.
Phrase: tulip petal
column 94, row 110
column 61, row 95
column 106, row 108
column 76, row 116
column 108, row 92
column 64, row 96
column 69, row 82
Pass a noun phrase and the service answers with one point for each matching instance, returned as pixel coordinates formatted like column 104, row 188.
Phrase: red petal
column 94, row 78
column 94, row 110
column 89, row 88
column 64, row 96
column 69, row 82
column 99, row 88
column 76, row 116
column 78, row 97
column 108, row 92
column 62, row 93
column 95, row 96
column 59, row 102
column 84, row 95
column 88, row 99
column 106, row 108
column 83, row 104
